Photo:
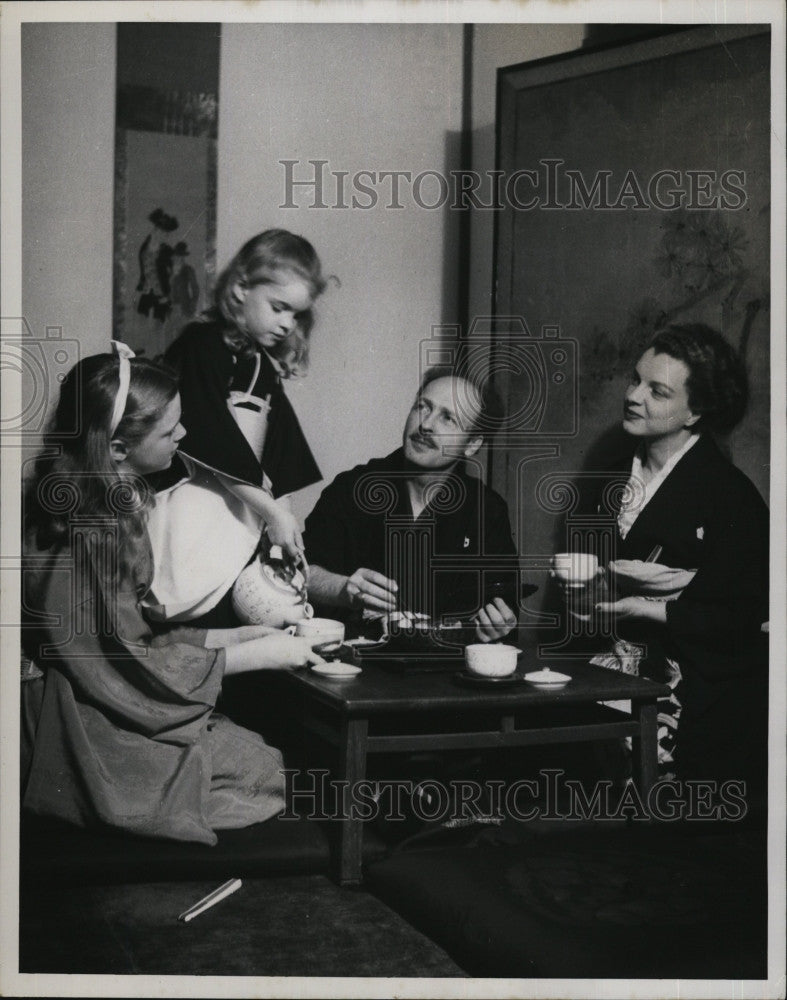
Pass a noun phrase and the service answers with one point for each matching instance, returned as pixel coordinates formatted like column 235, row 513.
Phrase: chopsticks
column 211, row 899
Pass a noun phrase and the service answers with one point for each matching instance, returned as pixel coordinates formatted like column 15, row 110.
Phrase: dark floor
column 299, row 926
column 589, row 900
column 501, row 901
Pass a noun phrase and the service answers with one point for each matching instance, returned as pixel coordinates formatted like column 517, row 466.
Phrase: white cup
column 575, row 568
column 320, row 630
column 491, row 659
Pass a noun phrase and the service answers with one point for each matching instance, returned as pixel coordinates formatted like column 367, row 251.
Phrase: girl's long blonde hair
column 75, row 476
column 264, row 259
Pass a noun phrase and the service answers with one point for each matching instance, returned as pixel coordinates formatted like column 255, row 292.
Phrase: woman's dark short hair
column 492, row 414
column 717, row 383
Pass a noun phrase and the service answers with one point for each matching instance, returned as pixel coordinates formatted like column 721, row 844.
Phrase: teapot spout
column 298, row 613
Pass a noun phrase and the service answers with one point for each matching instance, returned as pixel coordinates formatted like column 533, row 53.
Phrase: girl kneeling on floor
column 119, row 728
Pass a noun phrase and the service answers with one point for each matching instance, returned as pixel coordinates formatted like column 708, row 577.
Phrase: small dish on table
column 547, row 678
column 336, row 670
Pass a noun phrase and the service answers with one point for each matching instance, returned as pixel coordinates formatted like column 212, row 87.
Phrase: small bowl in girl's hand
column 491, row 659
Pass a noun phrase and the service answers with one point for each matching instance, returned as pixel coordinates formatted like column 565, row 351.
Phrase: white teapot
column 271, row 592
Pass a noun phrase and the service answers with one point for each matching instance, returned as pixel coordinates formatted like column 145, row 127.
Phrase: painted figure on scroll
column 118, row 726
column 231, row 364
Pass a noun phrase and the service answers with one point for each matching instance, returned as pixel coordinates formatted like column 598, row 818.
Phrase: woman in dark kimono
column 691, row 517
column 119, row 727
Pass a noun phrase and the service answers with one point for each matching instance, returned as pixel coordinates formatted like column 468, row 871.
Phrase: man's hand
column 494, row 621
column 370, row 590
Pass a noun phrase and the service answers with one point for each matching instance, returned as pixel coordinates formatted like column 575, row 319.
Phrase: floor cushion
column 646, row 901
column 51, row 850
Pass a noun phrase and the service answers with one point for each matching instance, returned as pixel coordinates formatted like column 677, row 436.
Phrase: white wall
column 68, row 142
column 496, row 45
column 374, row 97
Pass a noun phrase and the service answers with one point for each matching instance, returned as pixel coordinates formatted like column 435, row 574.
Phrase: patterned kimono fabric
column 697, row 538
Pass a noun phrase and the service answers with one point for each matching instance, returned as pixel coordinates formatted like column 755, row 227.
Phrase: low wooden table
column 382, row 711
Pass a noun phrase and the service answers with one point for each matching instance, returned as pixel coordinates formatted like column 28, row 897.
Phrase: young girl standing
column 231, row 364
column 119, row 728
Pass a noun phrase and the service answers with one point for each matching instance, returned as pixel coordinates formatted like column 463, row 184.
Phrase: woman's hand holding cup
column 579, row 577
column 574, row 569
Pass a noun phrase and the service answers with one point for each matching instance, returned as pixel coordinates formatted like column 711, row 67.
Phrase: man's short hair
column 492, row 414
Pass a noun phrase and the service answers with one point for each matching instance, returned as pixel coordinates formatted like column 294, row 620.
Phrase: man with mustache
column 413, row 532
